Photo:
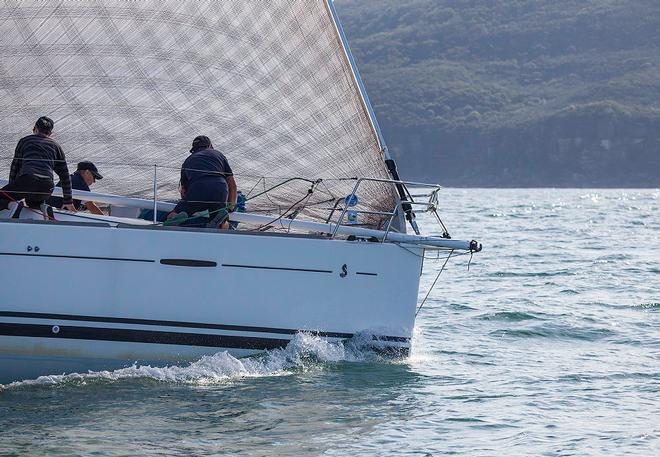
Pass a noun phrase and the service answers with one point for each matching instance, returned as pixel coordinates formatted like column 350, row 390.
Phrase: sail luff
column 400, row 195
column 361, row 90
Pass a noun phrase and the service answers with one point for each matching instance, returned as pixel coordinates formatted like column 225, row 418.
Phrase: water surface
column 548, row 345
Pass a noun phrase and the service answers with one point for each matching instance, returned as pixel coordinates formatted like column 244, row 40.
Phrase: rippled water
column 548, row 345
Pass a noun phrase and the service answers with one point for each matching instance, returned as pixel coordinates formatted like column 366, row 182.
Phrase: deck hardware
column 29, row 249
column 56, row 329
column 344, row 271
column 36, row 249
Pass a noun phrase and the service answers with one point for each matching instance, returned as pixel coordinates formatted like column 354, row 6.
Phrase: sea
column 546, row 343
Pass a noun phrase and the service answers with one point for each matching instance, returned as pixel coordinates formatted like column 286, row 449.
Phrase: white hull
column 77, row 297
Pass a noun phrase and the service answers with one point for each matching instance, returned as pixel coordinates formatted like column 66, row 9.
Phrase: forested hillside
column 514, row 92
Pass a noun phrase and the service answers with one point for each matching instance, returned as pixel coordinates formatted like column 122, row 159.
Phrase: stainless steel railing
column 429, row 206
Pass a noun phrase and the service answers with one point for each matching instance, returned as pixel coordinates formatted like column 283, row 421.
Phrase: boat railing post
column 391, row 221
column 155, row 192
column 341, row 217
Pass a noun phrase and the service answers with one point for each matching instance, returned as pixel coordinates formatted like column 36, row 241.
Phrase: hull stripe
column 77, row 257
column 163, row 323
column 257, row 267
column 142, row 336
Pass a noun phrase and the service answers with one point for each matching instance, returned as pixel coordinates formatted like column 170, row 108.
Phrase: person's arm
column 231, row 183
column 184, row 175
column 63, row 172
column 91, row 206
column 16, row 163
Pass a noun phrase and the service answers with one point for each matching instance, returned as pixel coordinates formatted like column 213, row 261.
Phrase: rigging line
column 316, row 204
column 442, row 224
column 262, row 210
column 269, row 224
column 326, row 190
column 283, row 183
column 434, row 282
column 253, row 187
column 227, row 207
column 329, row 191
column 300, row 208
column 267, row 195
column 310, row 191
column 178, row 168
column 35, row 159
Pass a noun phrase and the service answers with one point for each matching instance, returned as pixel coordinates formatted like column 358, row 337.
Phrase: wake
column 305, row 352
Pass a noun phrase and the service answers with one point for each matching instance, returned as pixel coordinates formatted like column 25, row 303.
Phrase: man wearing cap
column 207, row 181
column 31, row 173
column 85, row 175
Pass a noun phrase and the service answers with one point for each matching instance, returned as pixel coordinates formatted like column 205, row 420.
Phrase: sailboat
column 327, row 243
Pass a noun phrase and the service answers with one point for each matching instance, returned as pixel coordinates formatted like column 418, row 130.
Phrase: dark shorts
column 35, row 190
column 205, row 194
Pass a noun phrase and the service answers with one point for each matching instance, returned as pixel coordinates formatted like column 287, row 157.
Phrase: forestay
column 130, row 83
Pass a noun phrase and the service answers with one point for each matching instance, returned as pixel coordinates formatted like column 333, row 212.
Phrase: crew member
column 207, row 181
column 31, row 173
column 85, row 175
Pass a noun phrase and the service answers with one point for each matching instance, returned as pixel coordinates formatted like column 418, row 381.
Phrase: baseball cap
column 87, row 165
column 200, row 142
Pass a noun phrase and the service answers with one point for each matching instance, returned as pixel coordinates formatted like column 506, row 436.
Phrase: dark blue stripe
column 238, row 328
column 141, row 336
column 77, row 257
column 257, row 267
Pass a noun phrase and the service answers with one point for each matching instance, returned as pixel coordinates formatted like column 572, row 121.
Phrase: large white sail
column 131, row 83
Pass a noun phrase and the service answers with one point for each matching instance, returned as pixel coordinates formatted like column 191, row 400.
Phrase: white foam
column 420, row 353
column 304, row 352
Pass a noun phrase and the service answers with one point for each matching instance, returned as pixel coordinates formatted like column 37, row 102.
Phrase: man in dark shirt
column 31, row 173
column 207, row 181
column 85, row 175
